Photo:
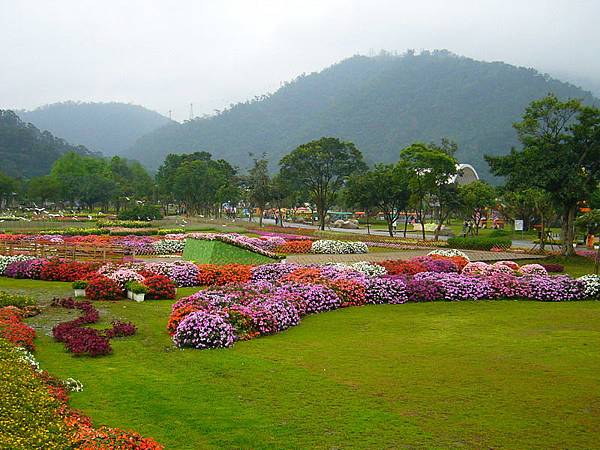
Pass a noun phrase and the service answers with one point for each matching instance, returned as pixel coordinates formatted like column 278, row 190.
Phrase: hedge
column 479, row 243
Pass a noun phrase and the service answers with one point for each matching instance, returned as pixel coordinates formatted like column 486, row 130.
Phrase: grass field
column 440, row 375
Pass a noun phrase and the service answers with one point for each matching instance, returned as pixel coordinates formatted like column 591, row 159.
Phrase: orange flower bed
column 214, row 274
column 302, row 246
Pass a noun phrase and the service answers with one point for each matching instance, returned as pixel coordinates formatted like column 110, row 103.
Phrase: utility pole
column 191, row 111
column 170, row 115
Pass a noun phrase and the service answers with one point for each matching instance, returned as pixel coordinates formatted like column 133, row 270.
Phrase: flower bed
column 327, row 246
column 81, row 340
column 14, row 330
column 35, row 411
column 277, row 296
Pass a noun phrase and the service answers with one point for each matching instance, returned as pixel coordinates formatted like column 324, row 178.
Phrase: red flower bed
column 63, row 270
column 214, row 274
column 160, row 287
column 102, row 288
column 403, row 267
column 87, row 341
column 303, row 246
column 14, row 330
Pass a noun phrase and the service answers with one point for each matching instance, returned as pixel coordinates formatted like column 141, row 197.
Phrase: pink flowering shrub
column 533, row 269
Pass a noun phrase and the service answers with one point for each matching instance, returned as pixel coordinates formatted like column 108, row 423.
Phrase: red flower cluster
column 403, row 267
column 309, row 275
column 214, row 274
column 87, row 341
column 102, row 288
column 178, row 315
column 350, row 292
column 553, row 268
column 62, row 270
column 160, row 287
column 14, row 330
column 302, row 246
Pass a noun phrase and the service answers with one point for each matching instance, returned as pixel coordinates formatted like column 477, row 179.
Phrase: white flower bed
column 168, row 246
column 331, row 247
column 369, row 269
column 448, row 252
column 592, row 285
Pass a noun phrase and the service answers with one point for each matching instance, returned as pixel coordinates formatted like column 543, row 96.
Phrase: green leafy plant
column 138, row 288
column 79, row 284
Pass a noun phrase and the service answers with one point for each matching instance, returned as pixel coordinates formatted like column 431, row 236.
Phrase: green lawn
column 440, row 375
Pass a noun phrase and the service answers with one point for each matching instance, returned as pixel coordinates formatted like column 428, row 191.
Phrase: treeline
column 554, row 174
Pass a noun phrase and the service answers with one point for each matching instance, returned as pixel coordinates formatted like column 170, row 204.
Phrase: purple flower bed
column 202, row 330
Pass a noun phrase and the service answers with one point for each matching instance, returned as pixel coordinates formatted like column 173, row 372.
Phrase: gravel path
column 474, row 255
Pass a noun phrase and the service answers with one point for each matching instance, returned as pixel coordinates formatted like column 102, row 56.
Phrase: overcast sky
column 167, row 54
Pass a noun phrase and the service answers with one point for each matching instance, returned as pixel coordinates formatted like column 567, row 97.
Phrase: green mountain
column 25, row 151
column 106, row 127
column 381, row 103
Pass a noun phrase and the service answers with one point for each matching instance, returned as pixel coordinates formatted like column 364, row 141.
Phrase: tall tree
column 475, row 198
column 384, row 188
column 432, row 170
column 258, row 183
column 321, row 168
column 42, row 189
column 560, row 155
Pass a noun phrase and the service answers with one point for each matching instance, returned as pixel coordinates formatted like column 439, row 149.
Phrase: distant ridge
column 106, row 127
column 381, row 103
column 25, row 151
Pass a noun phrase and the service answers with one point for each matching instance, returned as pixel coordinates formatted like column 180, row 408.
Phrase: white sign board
column 518, row 225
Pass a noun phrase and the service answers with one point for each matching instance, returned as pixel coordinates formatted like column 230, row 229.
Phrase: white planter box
column 139, row 297
column 130, row 295
column 79, row 292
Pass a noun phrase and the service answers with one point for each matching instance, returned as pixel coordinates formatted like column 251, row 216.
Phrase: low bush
column 141, row 212
column 103, row 288
column 159, row 287
column 479, row 243
column 553, row 268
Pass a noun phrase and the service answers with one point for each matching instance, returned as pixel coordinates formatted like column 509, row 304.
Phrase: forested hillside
column 106, row 127
column 380, row 103
column 26, row 151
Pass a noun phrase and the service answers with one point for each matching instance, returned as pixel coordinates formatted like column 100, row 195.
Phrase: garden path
column 474, row 255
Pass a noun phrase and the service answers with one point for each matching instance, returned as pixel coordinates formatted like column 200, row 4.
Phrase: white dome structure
column 466, row 174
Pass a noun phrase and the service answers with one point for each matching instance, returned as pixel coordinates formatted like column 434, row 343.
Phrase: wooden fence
column 76, row 252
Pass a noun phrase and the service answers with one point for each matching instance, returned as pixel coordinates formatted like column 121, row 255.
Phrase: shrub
column 533, row 269
column 201, row 330
column 553, row 268
column 138, row 288
column 62, row 270
column 403, row 267
column 591, row 285
column 79, row 284
column 423, row 291
column 159, row 287
column 385, row 290
column 448, row 253
column 480, row 243
column 103, row 288
column 141, row 212
column 30, row 269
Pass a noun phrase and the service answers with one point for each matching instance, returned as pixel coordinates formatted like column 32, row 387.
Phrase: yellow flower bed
column 28, row 413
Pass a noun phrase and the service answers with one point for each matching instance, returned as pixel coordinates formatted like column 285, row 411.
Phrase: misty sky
column 167, row 54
